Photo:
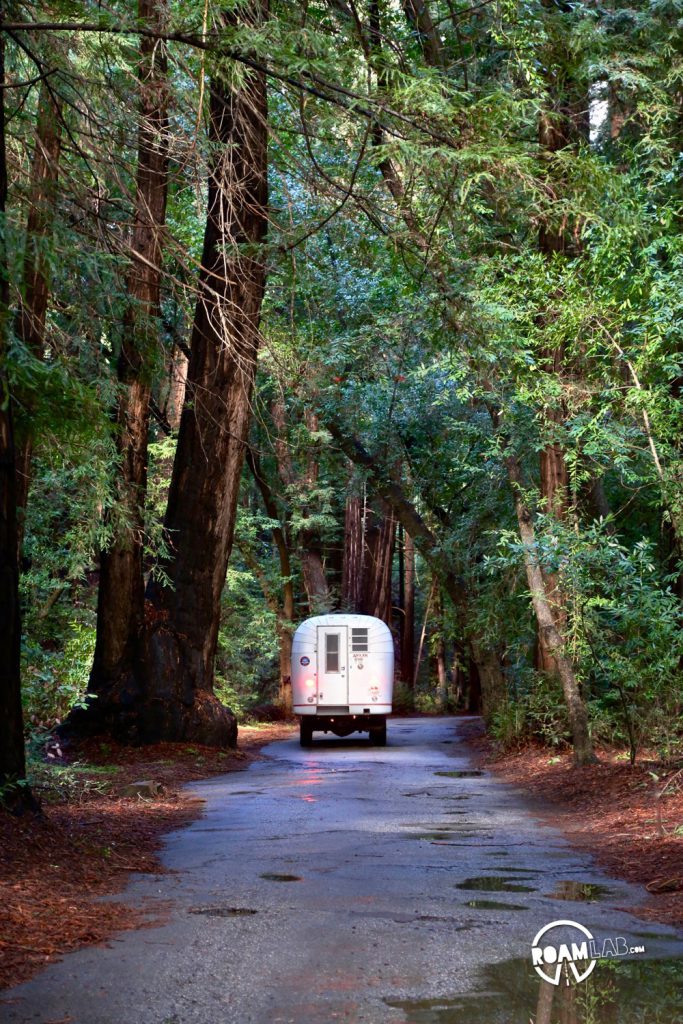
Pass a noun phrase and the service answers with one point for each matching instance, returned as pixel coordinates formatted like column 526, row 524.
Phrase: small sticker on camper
column 305, row 661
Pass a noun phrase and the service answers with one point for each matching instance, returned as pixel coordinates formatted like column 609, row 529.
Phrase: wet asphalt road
column 323, row 885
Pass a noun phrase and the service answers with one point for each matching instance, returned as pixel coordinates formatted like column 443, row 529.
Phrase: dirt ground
column 54, row 867
column 629, row 817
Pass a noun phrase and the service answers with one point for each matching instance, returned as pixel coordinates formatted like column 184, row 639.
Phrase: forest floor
column 54, row 868
column 629, row 817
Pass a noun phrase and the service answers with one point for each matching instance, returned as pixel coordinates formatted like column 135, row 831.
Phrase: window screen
column 359, row 639
column 332, row 652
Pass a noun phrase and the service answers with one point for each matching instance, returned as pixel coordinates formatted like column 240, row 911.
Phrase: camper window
column 359, row 640
column 332, row 652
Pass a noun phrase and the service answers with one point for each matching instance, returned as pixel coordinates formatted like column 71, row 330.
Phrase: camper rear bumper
column 352, row 711
column 344, row 725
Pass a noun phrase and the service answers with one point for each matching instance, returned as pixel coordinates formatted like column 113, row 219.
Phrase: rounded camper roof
column 373, row 624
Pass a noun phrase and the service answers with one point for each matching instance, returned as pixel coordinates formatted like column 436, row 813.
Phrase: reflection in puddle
column 494, row 883
column 632, row 992
column 579, row 892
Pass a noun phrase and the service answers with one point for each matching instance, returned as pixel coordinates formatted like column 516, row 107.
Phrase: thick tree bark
column 175, row 396
column 32, row 309
column 116, row 676
column 15, row 794
column 553, row 640
column 184, row 610
column 353, row 569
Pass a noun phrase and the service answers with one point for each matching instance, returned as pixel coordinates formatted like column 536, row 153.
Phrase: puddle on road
column 274, row 877
column 462, row 773
column 221, row 911
column 631, row 992
column 494, row 883
column 494, row 905
column 579, row 892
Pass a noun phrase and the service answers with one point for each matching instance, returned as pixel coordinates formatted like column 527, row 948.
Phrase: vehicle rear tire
column 378, row 735
column 305, row 732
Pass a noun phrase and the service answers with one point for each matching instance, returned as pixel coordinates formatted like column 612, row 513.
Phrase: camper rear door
column 333, row 686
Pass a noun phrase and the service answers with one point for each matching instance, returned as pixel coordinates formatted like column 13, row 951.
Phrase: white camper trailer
column 343, row 676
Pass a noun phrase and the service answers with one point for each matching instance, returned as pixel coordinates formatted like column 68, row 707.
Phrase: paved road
column 327, row 885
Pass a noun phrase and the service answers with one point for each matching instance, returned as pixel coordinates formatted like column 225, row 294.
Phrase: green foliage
column 408, row 302
column 246, row 663
column 58, row 783
column 56, row 680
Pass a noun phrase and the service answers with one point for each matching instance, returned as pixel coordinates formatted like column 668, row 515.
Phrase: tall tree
column 116, row 671
column 14, row 792
column 184, row 600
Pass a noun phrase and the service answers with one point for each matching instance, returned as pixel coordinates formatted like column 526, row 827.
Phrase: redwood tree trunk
column 175, row 398
column 30, row 320
column 12, row 754
column 116, row 677
column 184, row 616
column 354, row 551
column 369, row 540
column 379, row 542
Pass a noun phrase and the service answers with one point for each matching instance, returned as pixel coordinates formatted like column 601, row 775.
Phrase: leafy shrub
column 403, row 699
column 56, row 681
